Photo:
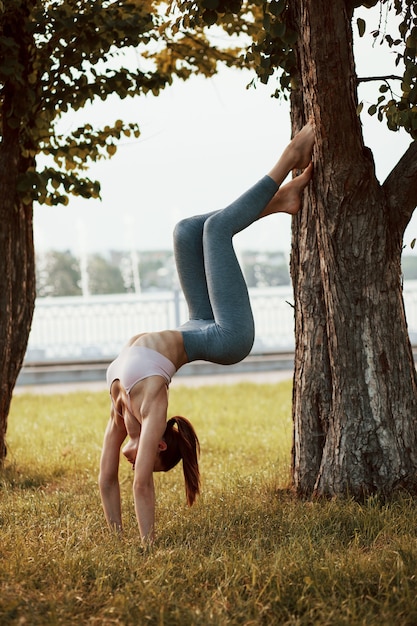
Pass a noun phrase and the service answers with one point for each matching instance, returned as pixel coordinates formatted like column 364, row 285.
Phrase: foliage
column 54, row 56
column 259, row 555
column 58, row 274
column 400, row 110
column 103, row 276
column 58, row 55
column 261, row 24
column 267, row 26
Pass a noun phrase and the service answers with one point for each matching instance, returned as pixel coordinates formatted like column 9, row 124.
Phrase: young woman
column 220, row 329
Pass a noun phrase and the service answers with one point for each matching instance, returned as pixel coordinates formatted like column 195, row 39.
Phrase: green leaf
column 111, row 149
column 278, row 29
column 290, row 37
column 276, row 7
column 361, row 26
column 210, row 4
column 210, row 17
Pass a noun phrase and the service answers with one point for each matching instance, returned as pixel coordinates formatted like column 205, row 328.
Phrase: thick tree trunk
column 17, row 278
column 355, row 387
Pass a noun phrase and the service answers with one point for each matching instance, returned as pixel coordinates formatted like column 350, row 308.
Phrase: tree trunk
column 355, row 386
column 17, row 278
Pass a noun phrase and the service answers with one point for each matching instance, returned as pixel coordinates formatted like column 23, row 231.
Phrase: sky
column 202, row 143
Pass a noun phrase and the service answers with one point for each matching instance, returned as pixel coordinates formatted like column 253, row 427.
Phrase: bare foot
column 300, row 147
column 296, row 156
column 288, row 198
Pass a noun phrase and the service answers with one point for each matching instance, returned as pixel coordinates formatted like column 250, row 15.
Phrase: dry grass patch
column 247, row 553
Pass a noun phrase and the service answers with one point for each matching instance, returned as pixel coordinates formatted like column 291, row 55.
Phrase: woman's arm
column 109, row 473
column 152, row 432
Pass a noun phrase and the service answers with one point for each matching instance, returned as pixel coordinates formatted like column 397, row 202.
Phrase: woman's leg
column 208, row 269
column 204, row 256
column 188, row 253
column 232, row 338
column 226, row 285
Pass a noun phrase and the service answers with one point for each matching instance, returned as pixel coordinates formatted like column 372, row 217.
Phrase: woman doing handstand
column 220, row 329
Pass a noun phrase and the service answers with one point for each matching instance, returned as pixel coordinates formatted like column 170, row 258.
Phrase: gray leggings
column 221, row 327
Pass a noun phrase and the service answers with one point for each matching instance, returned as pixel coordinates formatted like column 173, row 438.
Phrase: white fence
column 96, row 327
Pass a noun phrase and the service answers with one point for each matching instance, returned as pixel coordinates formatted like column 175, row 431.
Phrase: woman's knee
column 187, row 228
column 235, row 346
column 213, row 226
column 181, row 229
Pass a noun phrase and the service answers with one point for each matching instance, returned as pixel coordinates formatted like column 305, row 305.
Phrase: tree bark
column 17, row 289
column 355, row 386
column 17, row 278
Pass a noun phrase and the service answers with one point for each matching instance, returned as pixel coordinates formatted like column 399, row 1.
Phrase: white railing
column 96, row 327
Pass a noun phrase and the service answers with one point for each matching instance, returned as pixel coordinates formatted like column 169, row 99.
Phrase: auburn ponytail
column 182, row 443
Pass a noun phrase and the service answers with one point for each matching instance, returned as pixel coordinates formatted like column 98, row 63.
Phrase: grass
column 247, row 553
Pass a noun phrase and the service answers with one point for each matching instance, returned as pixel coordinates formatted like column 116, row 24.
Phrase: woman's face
column 130, row 451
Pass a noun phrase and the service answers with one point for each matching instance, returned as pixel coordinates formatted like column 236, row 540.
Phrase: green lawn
column 246, row 553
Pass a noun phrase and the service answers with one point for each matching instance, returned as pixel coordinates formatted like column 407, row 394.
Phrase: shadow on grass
column 24, row 478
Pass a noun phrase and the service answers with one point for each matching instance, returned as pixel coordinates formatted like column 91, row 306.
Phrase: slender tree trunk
column 355, row 387
column 17, row 278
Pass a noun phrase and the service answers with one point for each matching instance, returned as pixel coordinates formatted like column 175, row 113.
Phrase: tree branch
column 400, row 188
column 368, row 79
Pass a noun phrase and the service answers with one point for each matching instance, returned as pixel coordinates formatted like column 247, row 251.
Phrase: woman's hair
column 182, row 443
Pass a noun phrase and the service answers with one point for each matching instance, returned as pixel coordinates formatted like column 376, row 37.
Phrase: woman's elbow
column 143, row 489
